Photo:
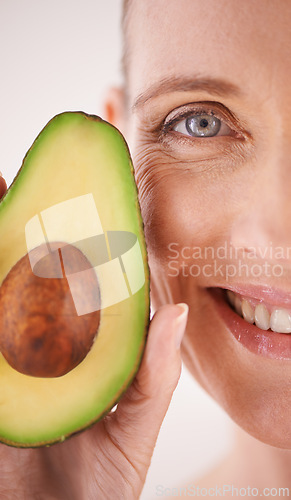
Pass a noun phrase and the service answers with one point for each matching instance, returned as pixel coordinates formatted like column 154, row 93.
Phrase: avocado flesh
column 74, row 155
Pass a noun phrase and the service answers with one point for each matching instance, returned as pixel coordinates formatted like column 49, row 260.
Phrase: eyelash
column 210, row 108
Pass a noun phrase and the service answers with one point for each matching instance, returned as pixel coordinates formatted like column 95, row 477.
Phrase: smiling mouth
column 265, row 316
column 262, row 326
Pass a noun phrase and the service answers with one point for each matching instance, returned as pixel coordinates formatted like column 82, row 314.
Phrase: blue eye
column 202, row 125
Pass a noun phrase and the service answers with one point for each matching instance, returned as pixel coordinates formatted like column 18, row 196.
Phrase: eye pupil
column 203, row 125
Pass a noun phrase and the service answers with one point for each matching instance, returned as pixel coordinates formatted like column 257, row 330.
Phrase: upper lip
column 265, row 293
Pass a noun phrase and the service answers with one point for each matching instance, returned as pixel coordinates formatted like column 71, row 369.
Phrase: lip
column 261, row 342
column 267, row 294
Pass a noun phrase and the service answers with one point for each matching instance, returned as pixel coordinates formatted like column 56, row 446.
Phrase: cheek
column 255, row 392
column 196, row 205
column 182, row 202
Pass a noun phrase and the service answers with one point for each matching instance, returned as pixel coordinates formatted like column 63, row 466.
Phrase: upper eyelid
column 214, row 108
column 184, row 116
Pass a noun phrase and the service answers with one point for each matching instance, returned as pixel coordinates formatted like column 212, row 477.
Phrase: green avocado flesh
column 75, row 186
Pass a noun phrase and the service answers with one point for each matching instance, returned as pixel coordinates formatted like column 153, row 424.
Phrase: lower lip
column 262, row 342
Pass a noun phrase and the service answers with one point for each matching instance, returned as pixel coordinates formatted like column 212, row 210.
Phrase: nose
column 265, row 218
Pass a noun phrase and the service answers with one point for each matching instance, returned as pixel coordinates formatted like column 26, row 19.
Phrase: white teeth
column 280, row 321
column 237, row 305
column 262, row 317
column 231, row 297
column 248, row 311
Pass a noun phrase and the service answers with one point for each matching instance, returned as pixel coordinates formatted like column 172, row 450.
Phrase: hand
column 3, row 186
column 110, row 460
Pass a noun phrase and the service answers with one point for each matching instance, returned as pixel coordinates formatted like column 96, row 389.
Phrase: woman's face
column 209, row 126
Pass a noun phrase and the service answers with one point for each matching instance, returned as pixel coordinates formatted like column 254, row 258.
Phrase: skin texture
column 233, row 188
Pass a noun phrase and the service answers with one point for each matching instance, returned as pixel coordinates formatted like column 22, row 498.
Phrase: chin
column 237, row 346
column 270, row 431
column 244, row 367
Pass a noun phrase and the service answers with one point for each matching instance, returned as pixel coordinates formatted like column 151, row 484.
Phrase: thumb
column 136, row 423
column 3, row 186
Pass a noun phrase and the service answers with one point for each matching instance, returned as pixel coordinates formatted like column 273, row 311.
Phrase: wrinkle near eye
column 178, row 183
column 149, row 167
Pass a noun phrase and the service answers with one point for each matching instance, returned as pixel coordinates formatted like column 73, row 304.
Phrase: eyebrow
column 214, row 86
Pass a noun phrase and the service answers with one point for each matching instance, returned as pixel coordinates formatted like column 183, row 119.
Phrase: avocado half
column 74, row 191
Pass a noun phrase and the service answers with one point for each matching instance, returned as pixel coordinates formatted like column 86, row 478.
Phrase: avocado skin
column 8, row 199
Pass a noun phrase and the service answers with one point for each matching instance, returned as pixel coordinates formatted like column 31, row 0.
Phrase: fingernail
column 181, row 322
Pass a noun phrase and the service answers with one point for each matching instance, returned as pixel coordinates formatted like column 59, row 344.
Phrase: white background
column 61, row 55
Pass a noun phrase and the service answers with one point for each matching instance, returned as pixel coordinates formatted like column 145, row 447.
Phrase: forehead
column 247, row 42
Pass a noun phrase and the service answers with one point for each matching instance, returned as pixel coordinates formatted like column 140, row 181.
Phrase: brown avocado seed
column 41, row 333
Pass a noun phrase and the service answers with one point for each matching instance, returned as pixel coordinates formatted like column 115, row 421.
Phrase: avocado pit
column 41, row 334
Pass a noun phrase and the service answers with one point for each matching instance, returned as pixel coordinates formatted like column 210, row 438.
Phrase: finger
column 138, row 418
column 116, row 452
column 3, row 186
